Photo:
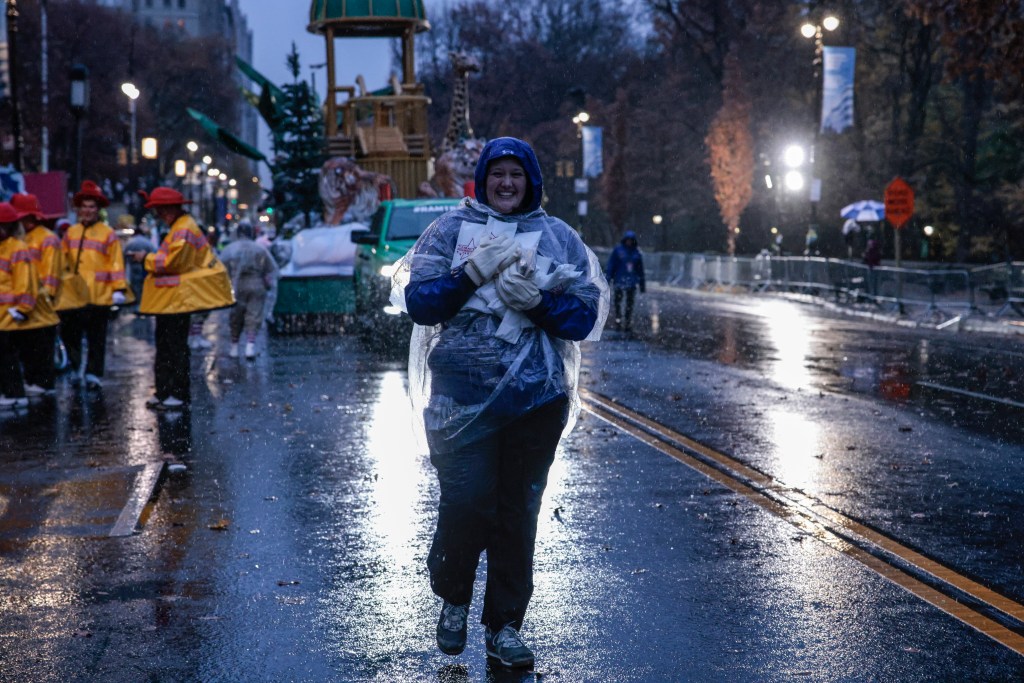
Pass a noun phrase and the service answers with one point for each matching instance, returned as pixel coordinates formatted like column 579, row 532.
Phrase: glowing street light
column 149, row 148
column 794, row 181
column 793, row 156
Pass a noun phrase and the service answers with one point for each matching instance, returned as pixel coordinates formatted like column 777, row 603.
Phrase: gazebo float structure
column 385, row 131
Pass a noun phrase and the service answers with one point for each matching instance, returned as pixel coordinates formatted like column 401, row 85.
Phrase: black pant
column 90, row 322
column 630, row 293
column 11, row 385
column 171, row 366
column 491, row 494
column 35, row 347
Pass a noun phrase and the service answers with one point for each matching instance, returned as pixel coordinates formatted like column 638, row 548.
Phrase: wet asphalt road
column 293, row 546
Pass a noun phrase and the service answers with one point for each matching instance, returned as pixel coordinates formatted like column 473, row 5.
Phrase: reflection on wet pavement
column 801, row 347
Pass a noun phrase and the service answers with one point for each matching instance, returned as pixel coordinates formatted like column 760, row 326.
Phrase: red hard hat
column 164, row 196
column 27, row 205
column 90, row 190
column 8, row 214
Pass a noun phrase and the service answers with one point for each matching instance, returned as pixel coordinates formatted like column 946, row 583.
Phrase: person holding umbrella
column 856, row 214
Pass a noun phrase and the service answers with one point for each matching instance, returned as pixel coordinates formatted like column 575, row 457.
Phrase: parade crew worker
column 22, row 308
column 493, row 409
column 183, row 277
column 92, row 249
column 36, row 344
column 625, row 272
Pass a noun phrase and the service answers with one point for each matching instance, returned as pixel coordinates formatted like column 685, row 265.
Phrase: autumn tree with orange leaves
column 731, row 151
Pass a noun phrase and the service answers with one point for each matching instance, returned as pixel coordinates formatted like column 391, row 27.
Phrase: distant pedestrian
column 184, row 276
column 873, row 253
column 872, row 259
column 22, row 309
column 625, row 273
column 811, row 242
column 851, row 232
column 495, row 401
column 141, row 242
column 36, row 344
column 92, row 249
column 253, row 272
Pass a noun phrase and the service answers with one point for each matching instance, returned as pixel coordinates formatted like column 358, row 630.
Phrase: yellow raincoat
column 184, row 275
column 46, row 252
column 97, row 253
column 19, row 289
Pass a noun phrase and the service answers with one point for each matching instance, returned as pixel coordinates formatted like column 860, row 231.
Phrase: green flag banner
column 226, row 137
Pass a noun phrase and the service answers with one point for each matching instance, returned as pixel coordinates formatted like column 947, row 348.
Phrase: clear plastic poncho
column 465, row 381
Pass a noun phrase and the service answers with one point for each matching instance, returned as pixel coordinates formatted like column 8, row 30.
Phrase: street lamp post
column 204, row 174
column 816, row 31
column 581, row 182
column 192, row 146
column 79, row 103
column 132, row 93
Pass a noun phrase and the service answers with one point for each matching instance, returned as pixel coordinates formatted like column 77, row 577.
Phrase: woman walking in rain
column 501, row 294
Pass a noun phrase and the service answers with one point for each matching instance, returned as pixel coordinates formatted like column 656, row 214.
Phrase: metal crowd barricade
column 930, row 292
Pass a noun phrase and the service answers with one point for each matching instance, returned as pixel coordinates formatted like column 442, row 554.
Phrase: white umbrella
column 865, row 211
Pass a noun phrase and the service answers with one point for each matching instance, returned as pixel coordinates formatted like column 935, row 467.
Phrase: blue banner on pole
column 837, row 89
column 593, row 164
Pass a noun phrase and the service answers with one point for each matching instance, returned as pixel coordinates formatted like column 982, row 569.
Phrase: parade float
column 382, row 178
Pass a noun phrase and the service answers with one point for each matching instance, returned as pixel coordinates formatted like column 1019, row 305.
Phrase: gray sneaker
column 451, row 628
column 508, row 647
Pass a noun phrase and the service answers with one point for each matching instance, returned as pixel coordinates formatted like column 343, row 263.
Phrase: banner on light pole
column 837, row 89
column 593, row 164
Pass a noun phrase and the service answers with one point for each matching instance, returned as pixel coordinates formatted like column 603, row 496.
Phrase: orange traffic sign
column 899, row 202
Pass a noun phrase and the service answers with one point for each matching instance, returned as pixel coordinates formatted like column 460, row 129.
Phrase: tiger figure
column 349, row 193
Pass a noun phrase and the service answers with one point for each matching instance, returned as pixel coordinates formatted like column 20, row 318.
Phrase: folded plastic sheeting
column 488, row 364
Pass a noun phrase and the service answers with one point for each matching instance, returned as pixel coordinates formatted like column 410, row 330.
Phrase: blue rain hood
column 514, row 147
column 628, row 235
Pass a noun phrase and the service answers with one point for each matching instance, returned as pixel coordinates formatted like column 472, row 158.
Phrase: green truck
column 394, row 228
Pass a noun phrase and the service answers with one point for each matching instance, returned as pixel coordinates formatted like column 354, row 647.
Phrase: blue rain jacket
column 625, row 268
column 464, row 381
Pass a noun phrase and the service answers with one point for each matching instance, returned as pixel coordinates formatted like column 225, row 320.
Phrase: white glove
column 491, row 256
column 17, row 315
column 118, row 298
column 517, row 290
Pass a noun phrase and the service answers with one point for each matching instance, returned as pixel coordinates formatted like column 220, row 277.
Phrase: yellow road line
column 805, row 513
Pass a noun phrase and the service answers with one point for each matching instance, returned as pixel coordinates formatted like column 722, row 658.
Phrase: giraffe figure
column 458, row 121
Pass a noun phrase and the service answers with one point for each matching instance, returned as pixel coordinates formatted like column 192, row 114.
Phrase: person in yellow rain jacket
column 22, row 309
column 91, row 248
column 35, row 346
column 183, row 277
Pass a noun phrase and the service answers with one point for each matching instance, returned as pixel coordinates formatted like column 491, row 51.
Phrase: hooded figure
column 454, row 339
column 253, row 273
column 625, row 271
column 501, row 294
